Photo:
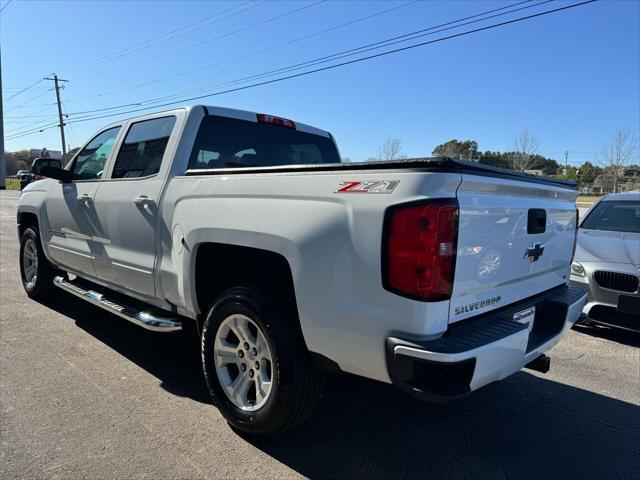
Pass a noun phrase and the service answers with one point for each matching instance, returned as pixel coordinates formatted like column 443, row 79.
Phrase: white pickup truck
column 437, row 275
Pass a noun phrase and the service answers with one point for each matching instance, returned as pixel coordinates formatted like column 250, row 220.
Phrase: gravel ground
column 84, row 394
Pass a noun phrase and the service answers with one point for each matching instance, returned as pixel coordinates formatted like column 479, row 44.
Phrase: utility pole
column 2, row 159
column 57, row 86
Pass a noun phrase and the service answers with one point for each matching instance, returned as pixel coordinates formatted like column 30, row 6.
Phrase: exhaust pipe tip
column 540, row 364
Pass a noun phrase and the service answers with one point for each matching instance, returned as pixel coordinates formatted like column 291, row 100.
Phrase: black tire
column 42, row 287
column 296, row 381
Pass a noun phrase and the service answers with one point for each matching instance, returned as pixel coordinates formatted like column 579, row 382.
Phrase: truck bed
column 421, row 164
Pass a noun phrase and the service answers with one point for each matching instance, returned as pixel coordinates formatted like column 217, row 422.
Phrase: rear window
column 230, row 143
column 614, row 215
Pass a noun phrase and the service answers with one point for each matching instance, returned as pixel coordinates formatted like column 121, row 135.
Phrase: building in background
column 44, row 153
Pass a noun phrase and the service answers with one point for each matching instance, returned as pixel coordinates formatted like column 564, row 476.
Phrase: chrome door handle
column 84, row 198
column 142, row 200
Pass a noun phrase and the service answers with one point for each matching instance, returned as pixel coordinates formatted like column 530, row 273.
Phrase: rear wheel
column 258, row 371
column 36, row 271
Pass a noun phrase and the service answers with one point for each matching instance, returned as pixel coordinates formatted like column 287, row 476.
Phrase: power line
column 32, row 99
column 391, row 41
column 32, row 126
column 280, row 45
column 33, row 130
column 175, row 33
column 25, row 88
column 338, row 65
column 219, row 37
column 166, row 97
column 5, row 5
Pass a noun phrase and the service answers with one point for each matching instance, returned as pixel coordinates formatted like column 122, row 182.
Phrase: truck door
column 126, row 206
column 70, row 213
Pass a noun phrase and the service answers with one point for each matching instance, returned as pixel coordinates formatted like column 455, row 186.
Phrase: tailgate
column 515, row 240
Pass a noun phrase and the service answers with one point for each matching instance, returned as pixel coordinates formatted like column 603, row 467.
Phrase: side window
column 143, row 147
column 90, row 162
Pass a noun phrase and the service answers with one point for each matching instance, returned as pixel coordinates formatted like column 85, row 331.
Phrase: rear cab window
column 224, row 142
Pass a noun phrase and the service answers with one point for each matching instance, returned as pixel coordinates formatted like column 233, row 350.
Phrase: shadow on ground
column 624, row 337
column 523, row 427
column 173, row 358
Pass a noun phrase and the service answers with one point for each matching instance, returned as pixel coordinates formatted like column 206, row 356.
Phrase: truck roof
column 226, row 112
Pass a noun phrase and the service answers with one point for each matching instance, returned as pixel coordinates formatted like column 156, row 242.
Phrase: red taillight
column 420, row 252
column 279, row 121
column 575, row 235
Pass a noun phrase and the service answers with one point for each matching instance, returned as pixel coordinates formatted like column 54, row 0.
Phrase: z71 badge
column 371, row 186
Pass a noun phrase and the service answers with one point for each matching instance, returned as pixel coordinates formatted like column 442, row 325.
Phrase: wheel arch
column 27, row 219
column 220, row 266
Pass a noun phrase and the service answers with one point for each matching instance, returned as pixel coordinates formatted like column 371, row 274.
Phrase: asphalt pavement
column 84, row 394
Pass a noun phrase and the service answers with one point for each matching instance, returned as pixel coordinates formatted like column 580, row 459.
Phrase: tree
column 44, row 153
column 497, row 159
column 618, row 153
column 457, row 149
column 588, row 172
column 11, row 164
column 391, row 149
column 24, row 156
column 526, row 147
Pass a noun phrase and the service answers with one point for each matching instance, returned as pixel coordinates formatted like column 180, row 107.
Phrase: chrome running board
column 145, row 320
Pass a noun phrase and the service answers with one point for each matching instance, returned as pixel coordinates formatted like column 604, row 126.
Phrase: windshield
column 614, row 215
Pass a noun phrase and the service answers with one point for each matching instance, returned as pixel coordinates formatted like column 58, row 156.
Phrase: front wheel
column 257, row 369
column 36, row 271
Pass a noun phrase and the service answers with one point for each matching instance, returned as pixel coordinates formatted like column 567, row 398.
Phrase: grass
column 12, row 184
column 587, row 199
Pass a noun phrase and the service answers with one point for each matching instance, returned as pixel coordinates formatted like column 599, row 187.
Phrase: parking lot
column 84, row 394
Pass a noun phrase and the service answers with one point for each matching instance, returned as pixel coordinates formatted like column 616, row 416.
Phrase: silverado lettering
column 477, row 305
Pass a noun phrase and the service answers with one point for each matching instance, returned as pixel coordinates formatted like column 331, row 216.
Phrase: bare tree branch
column 526, row 147
column 618, row 153
column 391, row 149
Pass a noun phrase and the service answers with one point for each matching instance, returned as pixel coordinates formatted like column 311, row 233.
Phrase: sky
column 572, row 78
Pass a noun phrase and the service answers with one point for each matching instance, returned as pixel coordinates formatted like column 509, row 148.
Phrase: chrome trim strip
column 145, row 320
column 67, row 232
column 70, row 251
column 117, row 264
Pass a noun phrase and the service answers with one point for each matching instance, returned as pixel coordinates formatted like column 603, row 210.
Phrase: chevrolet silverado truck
column 437, row 275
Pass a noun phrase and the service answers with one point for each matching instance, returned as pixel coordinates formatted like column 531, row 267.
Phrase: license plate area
column 525, row 316
column 629, row 305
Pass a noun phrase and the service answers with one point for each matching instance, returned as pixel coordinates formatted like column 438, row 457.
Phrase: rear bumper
column 482, row 350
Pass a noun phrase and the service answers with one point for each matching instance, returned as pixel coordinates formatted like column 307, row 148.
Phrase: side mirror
column 65, row 176
column 39, row 163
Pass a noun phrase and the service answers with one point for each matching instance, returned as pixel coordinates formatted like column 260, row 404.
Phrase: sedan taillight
column 419, row 249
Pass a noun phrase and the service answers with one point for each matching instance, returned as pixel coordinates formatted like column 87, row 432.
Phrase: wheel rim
column 30, row 262
column 244, row 362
